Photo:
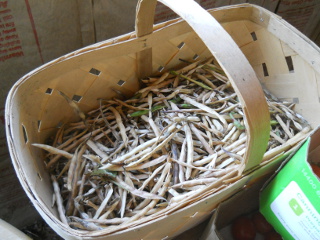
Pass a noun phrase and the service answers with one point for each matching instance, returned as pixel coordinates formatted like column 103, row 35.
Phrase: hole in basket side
column 95, row 71
column 39, row 125
column 76, row 98
column 254, row 36
column 290, row 64
column 49, row 91
column 181, row 45
column 195, row 57
column 39, row 176
column 121, row 82
column 265, row 70
column 25, row 135
column 185, row 61
column 160, row 68
column 59, row 125
column 295, row 100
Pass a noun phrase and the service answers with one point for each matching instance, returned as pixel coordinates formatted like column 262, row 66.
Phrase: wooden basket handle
column 230, row 58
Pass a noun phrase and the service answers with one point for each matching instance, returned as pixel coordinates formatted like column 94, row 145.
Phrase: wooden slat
column 239, row 32
column 271, row 49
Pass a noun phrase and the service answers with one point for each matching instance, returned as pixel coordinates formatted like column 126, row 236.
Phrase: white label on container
column 296, row 213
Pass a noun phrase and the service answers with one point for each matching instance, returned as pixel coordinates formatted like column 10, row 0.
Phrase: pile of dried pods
column 181, row 136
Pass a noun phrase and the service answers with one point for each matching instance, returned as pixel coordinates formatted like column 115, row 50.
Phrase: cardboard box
column 290, row 202
column 32, row 33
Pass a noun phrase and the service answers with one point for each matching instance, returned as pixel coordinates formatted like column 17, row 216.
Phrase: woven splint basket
column 263, row 49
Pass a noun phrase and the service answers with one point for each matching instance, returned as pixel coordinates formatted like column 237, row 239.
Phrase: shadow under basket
column 285, row 61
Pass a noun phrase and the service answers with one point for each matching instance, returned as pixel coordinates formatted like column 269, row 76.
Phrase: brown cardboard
column 31, row 33
column 270, row 5
column 15, row 207
column 219, row 3
column 314, row 148
column 317, row 40
column 113, row 18
column 304, row 14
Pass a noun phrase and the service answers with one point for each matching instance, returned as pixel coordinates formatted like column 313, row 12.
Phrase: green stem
column 191, row 80
column 144, row 112
column 236, row 123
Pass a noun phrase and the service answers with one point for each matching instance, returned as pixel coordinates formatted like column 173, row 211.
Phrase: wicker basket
column 264, row 47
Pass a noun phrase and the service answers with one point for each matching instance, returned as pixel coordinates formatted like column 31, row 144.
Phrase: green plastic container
column 291, row 200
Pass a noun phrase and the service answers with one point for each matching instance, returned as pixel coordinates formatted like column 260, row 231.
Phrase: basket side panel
column 284, row 72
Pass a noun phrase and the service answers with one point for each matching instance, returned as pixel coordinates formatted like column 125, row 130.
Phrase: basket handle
column 231, row 59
